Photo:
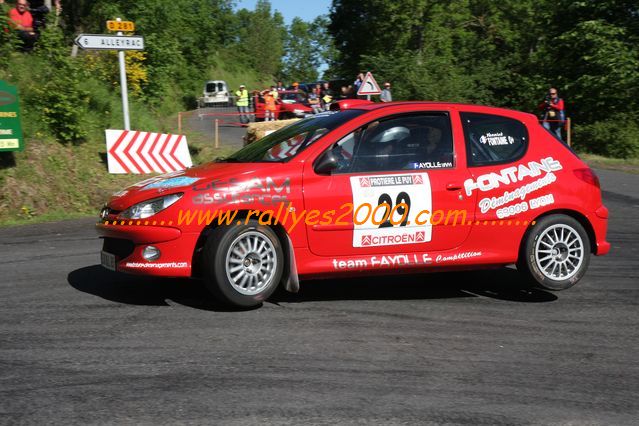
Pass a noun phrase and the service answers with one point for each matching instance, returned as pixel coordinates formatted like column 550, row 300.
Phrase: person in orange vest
column 269, row 104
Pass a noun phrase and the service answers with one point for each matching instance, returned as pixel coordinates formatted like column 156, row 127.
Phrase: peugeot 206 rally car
column 377, row 188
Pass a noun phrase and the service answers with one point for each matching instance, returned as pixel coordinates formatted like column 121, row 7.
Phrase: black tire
column 555, row 253
column 221, row 249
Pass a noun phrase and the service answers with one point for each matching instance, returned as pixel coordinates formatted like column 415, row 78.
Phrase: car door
column 396, row 181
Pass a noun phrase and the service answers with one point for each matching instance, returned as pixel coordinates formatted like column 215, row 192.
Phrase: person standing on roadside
column 326, row 96
column 386, row 95
column 243, row 103
column 269, row 103
column 21, row 20
column 358, row 82
column 553, row 112
column 314, row 101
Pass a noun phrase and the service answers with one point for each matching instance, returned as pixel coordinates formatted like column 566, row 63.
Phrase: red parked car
column 375, row 188
column 290, row 104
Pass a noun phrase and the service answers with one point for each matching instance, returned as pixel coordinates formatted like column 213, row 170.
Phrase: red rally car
column 376, row 188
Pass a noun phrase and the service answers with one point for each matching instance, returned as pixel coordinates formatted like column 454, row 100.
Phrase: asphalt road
column 202, row 120
column 79, row 344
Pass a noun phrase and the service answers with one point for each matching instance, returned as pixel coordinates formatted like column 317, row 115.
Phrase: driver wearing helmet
column 384, row 148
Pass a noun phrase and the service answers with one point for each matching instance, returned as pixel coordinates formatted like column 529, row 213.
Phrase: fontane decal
column 542, row 201
column 493, row 139
column 518, row 194
column 511, row 175
column 535, row 203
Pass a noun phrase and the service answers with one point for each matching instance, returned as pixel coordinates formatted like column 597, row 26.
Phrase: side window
column 416, row 141
column 493, row 139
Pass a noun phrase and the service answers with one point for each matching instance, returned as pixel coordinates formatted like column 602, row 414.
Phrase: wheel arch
column 289, row 277
column 579, row 217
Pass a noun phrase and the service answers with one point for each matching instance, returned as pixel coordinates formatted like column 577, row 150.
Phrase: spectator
column 386, row 96
column 326, row 95
column 275, row 93
column 553, row 112
column 243, row 104
column 314, row 101
column 39, row 12
column 358, row 82
column 300, row 95
column 343, row 92
column 280, row 86
column 269, row 103
column 22, row 21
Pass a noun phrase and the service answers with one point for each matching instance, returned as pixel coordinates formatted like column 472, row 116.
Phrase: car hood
column 199, row 177
column 294, row 105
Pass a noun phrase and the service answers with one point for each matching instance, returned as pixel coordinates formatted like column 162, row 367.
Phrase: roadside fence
column 567, row 127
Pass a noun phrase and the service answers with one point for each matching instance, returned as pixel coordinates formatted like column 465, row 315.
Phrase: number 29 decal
column 397, row 198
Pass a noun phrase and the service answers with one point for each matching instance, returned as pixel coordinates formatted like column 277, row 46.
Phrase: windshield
column 285, row 143
column 299, row 97
column 214, row 87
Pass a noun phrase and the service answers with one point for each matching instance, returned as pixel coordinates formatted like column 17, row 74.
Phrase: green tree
column 303, row 56
column 260, row 41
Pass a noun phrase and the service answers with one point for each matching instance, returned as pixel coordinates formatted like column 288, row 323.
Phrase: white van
column 216, row 92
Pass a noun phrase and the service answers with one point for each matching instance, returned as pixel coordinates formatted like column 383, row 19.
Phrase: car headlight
column 150, row 207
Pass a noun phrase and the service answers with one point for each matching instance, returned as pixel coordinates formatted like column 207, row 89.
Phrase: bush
column 617, row 137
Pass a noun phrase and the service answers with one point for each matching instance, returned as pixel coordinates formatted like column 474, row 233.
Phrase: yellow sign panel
column 9, row 144
column 120, row 26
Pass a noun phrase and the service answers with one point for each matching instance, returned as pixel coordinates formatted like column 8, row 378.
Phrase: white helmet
column 394, row 134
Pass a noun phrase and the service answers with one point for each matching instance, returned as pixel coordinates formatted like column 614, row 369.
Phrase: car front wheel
column 244, row 264
column 556, row 252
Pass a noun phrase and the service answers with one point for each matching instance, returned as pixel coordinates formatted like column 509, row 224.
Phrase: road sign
column 110, row 42
column 127, row 26
column 144, row 152
column 10, row 127
column 369, row 86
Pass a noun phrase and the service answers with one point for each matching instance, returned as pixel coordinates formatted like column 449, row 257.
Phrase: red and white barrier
column 130, row 151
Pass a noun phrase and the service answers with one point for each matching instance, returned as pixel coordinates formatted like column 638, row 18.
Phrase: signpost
column 120, row 43
column 369, row 86
column 10, row 127
column 127, row 26
column 109, row 42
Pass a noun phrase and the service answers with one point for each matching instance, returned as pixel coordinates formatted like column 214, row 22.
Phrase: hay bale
column 257, row 131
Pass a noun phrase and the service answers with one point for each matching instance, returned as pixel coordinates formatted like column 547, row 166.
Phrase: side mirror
column 325, row 163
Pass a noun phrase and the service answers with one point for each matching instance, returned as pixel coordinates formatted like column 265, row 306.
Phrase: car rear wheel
column 556, row 252
column 244, row 264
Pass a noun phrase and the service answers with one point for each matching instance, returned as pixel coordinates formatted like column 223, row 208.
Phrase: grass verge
column 630, row 165
column 50, row 181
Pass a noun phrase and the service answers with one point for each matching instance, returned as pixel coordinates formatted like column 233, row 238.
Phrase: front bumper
column 127, row 242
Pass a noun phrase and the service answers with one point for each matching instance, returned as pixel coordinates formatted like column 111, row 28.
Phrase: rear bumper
column 599, row 223
column 127, row 242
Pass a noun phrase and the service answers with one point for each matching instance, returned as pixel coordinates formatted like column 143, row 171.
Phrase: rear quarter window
column 493, row 139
